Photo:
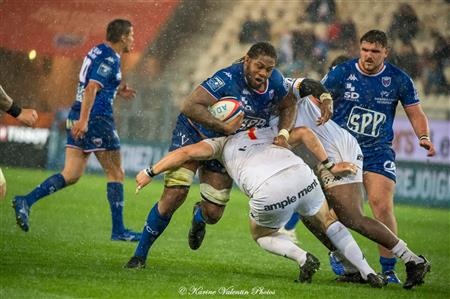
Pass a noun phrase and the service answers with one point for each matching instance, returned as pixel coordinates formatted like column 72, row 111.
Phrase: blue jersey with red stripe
column 231, row 82
column 102, row 65
column 365, row 104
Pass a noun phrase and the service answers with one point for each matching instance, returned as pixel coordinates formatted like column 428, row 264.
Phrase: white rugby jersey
column 334, row 138
column 250, row 157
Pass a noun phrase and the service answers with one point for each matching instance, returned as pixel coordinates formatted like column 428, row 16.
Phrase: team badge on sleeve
column 215, row 83
column 104, row 70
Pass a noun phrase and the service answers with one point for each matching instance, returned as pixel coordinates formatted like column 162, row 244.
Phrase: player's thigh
column 259, row 231
column 380, row 190
column 74, row 165
column 176, row 188
column 111, row 162
column 346, row 200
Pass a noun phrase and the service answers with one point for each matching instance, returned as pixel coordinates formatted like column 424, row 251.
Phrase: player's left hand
column 344, row 169
column 126, row 92
column 142, row 180
column 326, row 111
column 428, row 145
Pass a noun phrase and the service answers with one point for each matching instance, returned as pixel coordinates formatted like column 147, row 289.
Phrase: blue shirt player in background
column 366, row 92
column 91, row 129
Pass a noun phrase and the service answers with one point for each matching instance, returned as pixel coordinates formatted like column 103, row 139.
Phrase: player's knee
column 70, row 179
column 219, row 197
column 117, row 175
column 179, row 177
column 381, row 208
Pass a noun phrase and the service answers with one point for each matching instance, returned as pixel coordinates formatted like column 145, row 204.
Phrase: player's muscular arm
column 419, row 123
column 196, row 106
column 307, row 137
column 80, row 126
column 175, row 159
column 288, row 112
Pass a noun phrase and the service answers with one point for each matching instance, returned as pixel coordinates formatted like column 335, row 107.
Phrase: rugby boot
column 415, row 273
column 340, row 265
column 22, row 211
column 136, row 262
column 127, row 235
column 197, row 230
column 308, row 269
column 351, row 277
column 376, row 280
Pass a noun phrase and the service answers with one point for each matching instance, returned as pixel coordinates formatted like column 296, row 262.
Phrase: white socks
column 279, row 244
column 344, row 242
column 401, row 251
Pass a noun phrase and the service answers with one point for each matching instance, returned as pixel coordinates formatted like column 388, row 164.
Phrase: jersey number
column 84, row 68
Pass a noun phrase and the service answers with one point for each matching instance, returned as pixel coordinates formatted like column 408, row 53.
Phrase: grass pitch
column 68, row 254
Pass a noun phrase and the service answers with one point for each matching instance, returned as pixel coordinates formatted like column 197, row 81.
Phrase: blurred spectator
column 406, row 57
column 435, row 81
column 255, row 31
column 321, row 11
column 285, row 49
column 405, row 24
column 335, row 34
column 349, row 40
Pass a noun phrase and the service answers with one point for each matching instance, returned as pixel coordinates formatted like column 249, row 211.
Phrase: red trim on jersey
column 251, row 134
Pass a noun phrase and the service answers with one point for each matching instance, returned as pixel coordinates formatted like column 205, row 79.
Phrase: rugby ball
column 226, row 109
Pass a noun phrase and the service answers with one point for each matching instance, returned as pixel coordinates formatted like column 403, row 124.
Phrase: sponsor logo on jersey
column 287, row 82
column 104, row 70
column 246, row 92
column 250, row 122
column 350, row 94
column 365, row 121
column 360, row 157
column 271, row 93
column 215, row 83
column 228, row 74
column 291, row 199
column 352, row 77
column 386, row 81
column 389, row 166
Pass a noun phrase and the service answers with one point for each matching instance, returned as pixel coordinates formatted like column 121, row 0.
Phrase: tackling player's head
column 120, row 32
column 259, row 62
column 373, row 51
column 338, row 60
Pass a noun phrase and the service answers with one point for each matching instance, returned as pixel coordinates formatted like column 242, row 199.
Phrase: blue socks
column 295, row 218
column 198, row 216
column 387, row 264
column 50, row 185
column 153, row 228
column 115, row 198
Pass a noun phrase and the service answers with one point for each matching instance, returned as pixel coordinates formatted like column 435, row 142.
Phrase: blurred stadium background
column 180, row 43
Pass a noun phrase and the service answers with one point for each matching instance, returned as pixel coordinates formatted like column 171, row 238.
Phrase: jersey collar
column 369, row 75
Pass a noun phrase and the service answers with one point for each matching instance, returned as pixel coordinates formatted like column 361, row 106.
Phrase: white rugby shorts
column 295, row 189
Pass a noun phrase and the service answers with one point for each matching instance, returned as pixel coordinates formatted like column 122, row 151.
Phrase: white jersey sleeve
column 217, row 145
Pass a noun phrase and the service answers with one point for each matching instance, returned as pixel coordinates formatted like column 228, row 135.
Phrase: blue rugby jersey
column 365, row 104
column 258, row 106
column 102, row 65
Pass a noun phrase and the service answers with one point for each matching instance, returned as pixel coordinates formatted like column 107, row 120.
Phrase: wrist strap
column 15, row 110
column 327, row 164
column 424, row 137
column 149, row 171
column 325, row 96
column 284, row 133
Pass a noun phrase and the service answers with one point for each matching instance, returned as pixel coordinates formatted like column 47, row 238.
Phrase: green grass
column 67, row 252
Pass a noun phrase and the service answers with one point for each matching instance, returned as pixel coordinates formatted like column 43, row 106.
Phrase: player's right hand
column 428, row 145
column 28, row 117
column 234, row 125
column 326, row 111
column 79, row 129
column 344, row 169
column 142, row 180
